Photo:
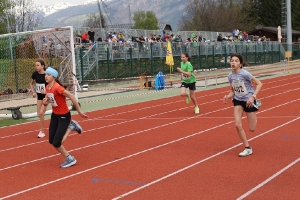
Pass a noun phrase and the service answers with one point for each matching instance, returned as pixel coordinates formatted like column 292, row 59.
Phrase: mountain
column 117, row 11
column 50, row 9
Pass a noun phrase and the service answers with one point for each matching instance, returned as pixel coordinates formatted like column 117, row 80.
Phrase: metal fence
column 119, row 60
column 129, row 33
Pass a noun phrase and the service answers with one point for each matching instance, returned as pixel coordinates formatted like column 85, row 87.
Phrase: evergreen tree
column 269, row 12
column 145, row 20
column 3, row 16
column 295, row 7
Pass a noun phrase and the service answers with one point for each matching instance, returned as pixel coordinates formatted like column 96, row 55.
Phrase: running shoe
column 74, row 126
column 246, row 152
column 188, row 100
column 197, row 110
column 70, row 161
column 41, row 135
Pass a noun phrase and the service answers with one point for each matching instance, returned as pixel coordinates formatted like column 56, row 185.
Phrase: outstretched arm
column 66, row 93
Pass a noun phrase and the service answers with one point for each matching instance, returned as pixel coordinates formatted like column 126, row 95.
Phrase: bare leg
column 193, row 97
column 183, row 92
column 252, row 121
column 40, row 115
column 62, row 150
column 238, row 112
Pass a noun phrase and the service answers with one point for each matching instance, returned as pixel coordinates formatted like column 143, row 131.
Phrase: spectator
column 91, row 34
column 220, row 38
column 245, row 36
column 121, row 37
column 85, row 37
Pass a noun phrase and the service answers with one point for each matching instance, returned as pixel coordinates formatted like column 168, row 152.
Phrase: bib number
column 39, row 87
column 239, row 88
column 52, row 100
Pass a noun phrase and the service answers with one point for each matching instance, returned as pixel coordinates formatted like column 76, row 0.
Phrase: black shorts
column 191, row 86
column 40, row 96
column 243, row 104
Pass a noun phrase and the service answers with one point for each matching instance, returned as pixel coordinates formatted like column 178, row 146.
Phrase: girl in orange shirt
column 60, row 124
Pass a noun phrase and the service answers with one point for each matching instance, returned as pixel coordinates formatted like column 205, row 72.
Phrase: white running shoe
column 246, row 152
column 41, row 135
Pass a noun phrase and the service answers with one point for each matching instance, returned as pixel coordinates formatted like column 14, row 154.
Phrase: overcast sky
column 52, row 2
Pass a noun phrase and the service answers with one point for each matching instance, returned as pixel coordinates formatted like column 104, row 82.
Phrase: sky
column 52, row 2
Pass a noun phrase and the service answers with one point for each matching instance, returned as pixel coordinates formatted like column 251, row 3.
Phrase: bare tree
column 94, row 21
column 218, row 15
column 24, row 16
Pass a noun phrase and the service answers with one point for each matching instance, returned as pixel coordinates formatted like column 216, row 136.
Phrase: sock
column 248, row 147
column 68, row 156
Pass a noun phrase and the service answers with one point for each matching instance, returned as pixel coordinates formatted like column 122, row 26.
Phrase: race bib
column 239, row 88
column 39, row 87
column 52, row 100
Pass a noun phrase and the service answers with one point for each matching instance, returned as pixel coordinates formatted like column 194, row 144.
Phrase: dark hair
column 187, row 55
column 42, row 63
column 240, row 57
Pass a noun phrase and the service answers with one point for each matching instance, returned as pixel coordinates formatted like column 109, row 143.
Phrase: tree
column 3, row 16
column 145, row 20
column 218, row 15
column 94, row 21
column 295, row 14
column 268, row 12
column 22, row 16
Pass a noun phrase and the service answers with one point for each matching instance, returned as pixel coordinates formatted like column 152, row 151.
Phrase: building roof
column 271, row 29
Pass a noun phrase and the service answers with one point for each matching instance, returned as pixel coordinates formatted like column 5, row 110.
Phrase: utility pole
column 289, row 24
column 100, row 13
column 8, row 31
column 129, row 16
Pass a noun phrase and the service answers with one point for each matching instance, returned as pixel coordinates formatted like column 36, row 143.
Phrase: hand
column 179, row 69
column 33, row 94
column 83, row 115
column 46, row 101
column 225, row 98
column 250, row 102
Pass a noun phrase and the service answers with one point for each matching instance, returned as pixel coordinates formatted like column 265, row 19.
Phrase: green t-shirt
column 187, row 67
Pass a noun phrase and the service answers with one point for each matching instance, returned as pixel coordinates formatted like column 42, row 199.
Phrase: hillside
column 118, row 11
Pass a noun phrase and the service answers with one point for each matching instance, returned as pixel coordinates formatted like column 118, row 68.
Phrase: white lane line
column 124, row 136
column 268, row 179
column 201, row 161
column 150, row 149
column 149, row 107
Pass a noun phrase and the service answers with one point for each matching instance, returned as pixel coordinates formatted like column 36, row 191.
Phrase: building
column 271, row 33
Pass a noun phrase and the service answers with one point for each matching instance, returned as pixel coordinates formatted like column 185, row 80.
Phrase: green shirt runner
column 187, row 67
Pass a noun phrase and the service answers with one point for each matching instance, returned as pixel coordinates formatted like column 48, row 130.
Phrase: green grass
column 8, row 122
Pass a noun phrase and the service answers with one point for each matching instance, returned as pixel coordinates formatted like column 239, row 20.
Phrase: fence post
column 298, row 50
column 255, row 57
column 279, row 53
column 200, row 60
column 225, row 55
column 151, row 59
column 213, row 49
column 81, row 65
column 108, row 65
column 131, row 67
column 264, row 49
column 16, row 68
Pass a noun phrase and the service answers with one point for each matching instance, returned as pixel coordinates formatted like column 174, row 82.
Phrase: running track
column 161, row 150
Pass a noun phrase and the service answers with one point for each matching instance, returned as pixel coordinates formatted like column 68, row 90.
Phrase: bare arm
column 31, row 87
column 258, row 84
column 66, row 93
column 230, row 95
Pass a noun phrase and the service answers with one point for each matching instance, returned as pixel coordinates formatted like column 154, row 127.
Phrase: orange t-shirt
column 57, row 100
